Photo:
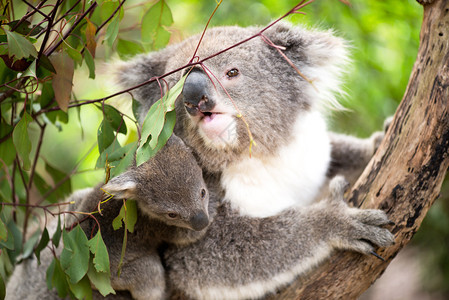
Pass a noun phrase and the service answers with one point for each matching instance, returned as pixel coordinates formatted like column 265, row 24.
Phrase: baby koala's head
column 168, row 187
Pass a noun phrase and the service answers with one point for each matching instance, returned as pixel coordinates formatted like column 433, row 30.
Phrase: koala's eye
column 172, row 215
column 203, row 193
column 232, row 73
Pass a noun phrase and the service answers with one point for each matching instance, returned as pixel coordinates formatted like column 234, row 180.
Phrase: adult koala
column 265, row 232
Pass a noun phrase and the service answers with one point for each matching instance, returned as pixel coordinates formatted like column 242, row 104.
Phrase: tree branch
column 404, row 177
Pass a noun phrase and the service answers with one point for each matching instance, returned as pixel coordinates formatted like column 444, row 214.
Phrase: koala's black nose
column 199, row 221
column 195, row 93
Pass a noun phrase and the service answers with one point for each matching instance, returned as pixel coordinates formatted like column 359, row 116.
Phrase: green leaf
column 127, row 49
column 90, row 62
column 114, row 118
column 101, row 280
column 7, row 149
column 105, row 136
column 155, row 118
column 118, row 221
column 2, row 288
column 31, row 71
column 82, row 289
column 155, row 20
column 74, row 54
column 15, row 235
column 9, row 242
column 25, row 28
column 45, row 238
column 3, row 232
column 100, row 252
column 75, row 255
column 131, row 215
column 22, row 141
column 30, row 243
column 126, row 159
column 57, row 278
column 46, row 63
column 47, row 94
column 136, row 108
column 112, row 31
column 145, row 152
column 112, row 150
column 57, row 235
column 127, row 215
column 19, row 46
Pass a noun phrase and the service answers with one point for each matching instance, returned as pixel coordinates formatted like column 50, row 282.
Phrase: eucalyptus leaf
column 82, row 289
column 154, row 21
column 19, row 46
column 57, row 278
column 100, row 252
column 155, row 118
column 45, row 238
column 105, row 136
column 112, row 31
column 3, row 232
column 101, row 280
column 22, row 141
column 114, row 118
column 145, row 152
column 75, row 255
column 126, row 159
column 90, row 62
column 127, row 49
column 7, row 149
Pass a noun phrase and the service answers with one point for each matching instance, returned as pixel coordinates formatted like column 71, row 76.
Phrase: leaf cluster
column 41, row 46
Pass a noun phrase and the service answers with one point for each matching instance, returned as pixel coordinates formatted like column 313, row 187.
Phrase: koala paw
column 356, row 229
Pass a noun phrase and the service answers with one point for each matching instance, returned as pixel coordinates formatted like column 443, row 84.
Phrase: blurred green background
column 384, row 37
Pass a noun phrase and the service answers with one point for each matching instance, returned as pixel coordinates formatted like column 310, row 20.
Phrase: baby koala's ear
column 122, row 186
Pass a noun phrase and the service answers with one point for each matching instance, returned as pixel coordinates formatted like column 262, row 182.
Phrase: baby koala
column 173, row 203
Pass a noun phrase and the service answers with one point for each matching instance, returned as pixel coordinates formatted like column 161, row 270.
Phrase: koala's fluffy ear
column 319, row 55
column 122, row 186
column 311, row 46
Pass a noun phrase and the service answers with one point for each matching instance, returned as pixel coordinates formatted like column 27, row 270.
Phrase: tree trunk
column 404, row 177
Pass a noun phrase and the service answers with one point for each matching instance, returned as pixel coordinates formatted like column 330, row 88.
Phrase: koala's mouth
column 208, row 116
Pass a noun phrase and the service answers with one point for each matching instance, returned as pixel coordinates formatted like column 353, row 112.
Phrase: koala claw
column 377, row 255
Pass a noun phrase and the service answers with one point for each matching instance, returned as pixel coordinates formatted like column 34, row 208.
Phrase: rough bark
column 405, row 175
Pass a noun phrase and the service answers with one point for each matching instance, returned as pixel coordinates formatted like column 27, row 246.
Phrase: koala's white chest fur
column 264, row 187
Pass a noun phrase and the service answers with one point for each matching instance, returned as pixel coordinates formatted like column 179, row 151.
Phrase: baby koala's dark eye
column 172, row 215
column 232, row 73
column 203, row 193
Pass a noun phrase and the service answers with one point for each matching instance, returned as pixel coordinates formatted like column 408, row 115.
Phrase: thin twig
column 204, row 31
column 29, row 14
column 36, row 156
column 36, row 9
column 52, row 49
